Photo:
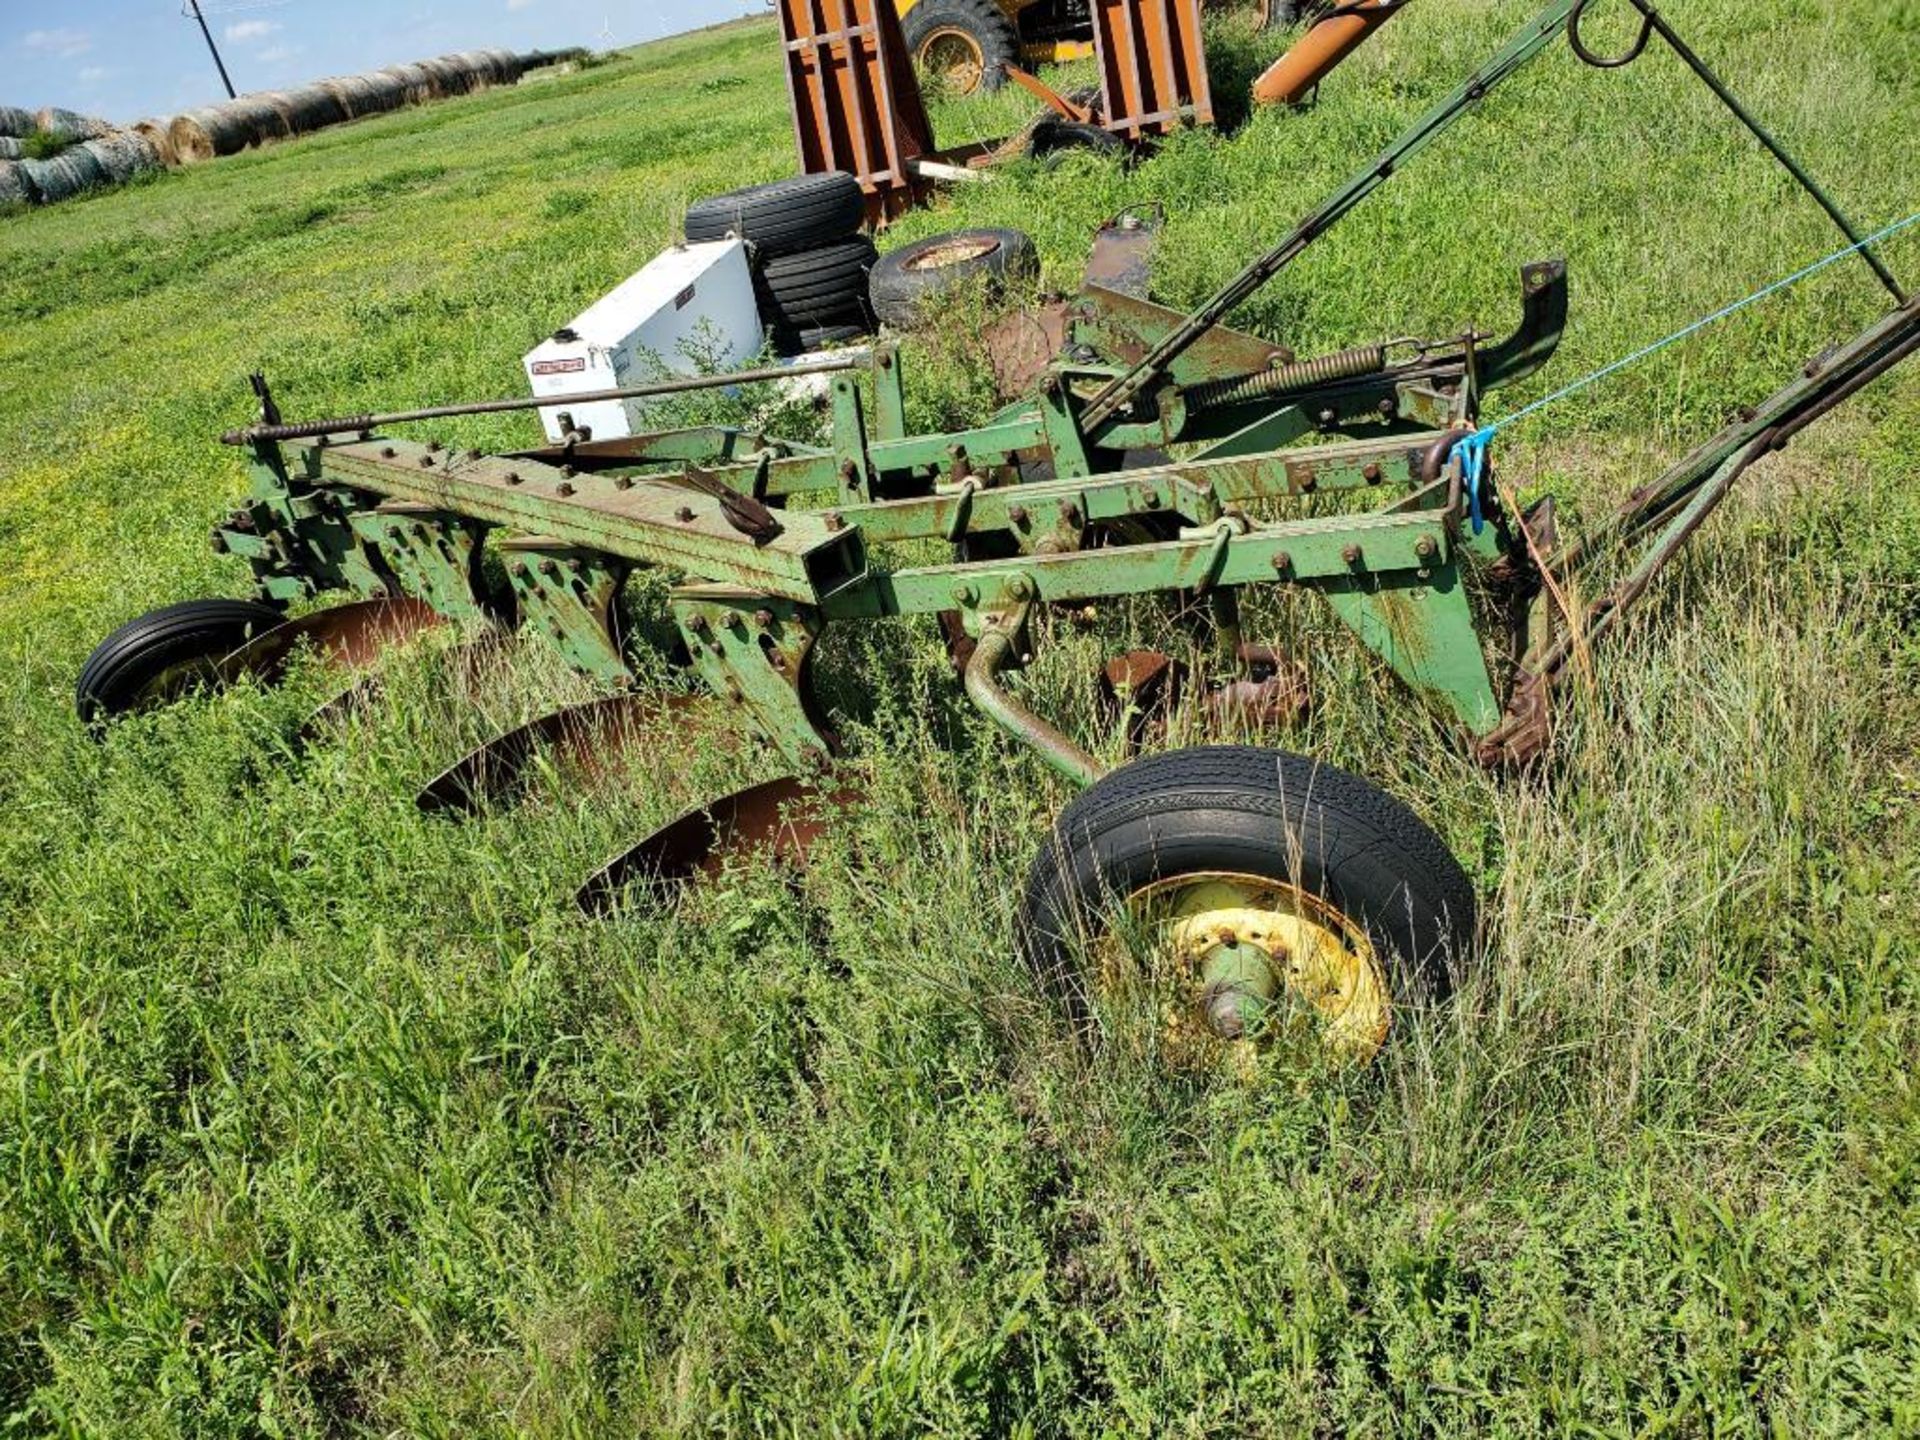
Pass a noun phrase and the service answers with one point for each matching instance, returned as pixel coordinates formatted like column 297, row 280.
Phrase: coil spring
column 1301, row 375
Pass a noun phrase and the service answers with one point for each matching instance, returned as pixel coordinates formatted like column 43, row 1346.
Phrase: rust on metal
column 1293, row 77
column 351, row 636
column 856, row 102
column 1141, row 688
column 1153, row 66
column 781, row 819
column 588, row 739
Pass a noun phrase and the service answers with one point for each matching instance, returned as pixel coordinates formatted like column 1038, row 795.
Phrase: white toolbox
column 696, row 298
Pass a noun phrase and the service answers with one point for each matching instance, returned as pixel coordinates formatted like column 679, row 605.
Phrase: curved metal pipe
column 993, row 654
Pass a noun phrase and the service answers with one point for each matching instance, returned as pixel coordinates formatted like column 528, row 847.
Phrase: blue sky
column 125, row 59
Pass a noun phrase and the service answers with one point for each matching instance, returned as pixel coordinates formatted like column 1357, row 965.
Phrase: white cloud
column 93, row 74
column 64, row 42
column 251, row 30
column 274, row 54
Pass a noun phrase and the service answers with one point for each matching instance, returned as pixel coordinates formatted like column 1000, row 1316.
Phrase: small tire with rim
column 905, row 279
column 162, row 656
column 1260, row 884
column 966, row 44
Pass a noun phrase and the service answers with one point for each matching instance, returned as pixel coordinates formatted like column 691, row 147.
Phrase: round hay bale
column 65, row 176
column 16, row 185
column 156, row 134
column 448, row 77
column 70, row 125
column 16, row 122
column 308, row 108
column 10, row 148
column 356, row 97
column 479, row 65
column 414, row 81
column 122, row 155
column 209, row 131
column 389, row 91
column 510, row 65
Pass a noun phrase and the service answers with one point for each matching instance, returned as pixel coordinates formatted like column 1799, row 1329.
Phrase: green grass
column 321, row 1118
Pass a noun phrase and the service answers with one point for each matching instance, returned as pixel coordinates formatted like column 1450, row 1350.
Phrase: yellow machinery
column 969, row 44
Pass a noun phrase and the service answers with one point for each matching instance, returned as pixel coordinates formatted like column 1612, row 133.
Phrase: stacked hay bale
column 98, row 154
column 121, row 155
column 66, row 175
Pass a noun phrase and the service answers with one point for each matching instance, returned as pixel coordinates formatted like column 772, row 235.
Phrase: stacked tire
column 810, row 262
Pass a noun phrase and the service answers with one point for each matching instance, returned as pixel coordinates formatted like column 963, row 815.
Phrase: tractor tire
column 905, row 279
column 821, row 288
column 1255, row 816
column 785, row 217
column 818, row 337
column 966, row 44
column 162, row 656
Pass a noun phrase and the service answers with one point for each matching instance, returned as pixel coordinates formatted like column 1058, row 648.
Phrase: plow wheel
column 1236, row 895
column 167, row 654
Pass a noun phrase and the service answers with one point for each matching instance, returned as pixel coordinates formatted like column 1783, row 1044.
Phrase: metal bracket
column 754, row 651
column 570, row 595
column 433, row 554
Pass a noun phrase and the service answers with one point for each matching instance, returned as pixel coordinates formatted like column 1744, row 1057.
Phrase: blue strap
column 1472, row 453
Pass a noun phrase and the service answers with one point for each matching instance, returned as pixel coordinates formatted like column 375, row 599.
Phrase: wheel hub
column 953, row 252
column 957, row 58
column 1251, row 953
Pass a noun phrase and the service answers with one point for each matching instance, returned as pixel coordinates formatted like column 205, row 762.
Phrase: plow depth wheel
column 166, row 654
column 1240, row 893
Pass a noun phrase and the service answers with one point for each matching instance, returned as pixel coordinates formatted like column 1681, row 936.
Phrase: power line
column 193, row 10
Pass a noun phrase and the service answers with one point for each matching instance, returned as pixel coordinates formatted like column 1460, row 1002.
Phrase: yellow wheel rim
column 956, row 57
column 1233, row 961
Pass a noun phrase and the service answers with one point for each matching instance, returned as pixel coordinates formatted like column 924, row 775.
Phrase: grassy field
column 318, row 1117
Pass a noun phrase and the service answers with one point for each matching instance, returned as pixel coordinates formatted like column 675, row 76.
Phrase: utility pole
column 193, row 9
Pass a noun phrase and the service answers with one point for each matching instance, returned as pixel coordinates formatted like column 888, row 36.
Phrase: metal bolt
column 435, row 446
column 965, row 594
column 563, row 489
column 520, row 569
column 513, row 477
column 568, row 471
column 1020, row 588
column 1371, row 474
column 700, row 625
column 850, row 472
column 1389, row 408
column 734, row 697
column 762, row 618
column 778, row 658
column 1018, row 515
column 474, row 455
column 1282, row 562
column 387, row 452
column 1153, row 502
column 1351, row 555
column 549, row 568
column 623, row 482
column 426, row 462
column 833, row 520
column 1425, row 548
column 1329, row 418
column 1071, row 515
column 1309, row 484
column 684, row 514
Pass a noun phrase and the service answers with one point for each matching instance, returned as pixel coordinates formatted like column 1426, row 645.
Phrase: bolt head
column 834, row 520
column 965, row 594
column 1371, row 473
column 426, row 462
column 1020, row 588
column 1282, row 562
column 435, row 447
column 1351, row 555
column 549, row 568
column 623, row 482
column 563, row 489
column 684, row 514
column 1018, row 515
column 513, row 477
column 762, row 618
column 1425, row 548
column 387, row 452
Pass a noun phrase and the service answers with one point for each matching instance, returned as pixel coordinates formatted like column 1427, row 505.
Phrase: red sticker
column 559, row 367
column 683, row 299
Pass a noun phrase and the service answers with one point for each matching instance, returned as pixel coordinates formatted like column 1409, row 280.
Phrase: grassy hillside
column 318, row 1117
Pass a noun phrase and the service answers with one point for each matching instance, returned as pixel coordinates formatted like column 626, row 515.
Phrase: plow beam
column 645, row 520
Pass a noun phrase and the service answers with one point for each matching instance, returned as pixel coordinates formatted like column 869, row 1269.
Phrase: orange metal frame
column 1153, row 66
column 856, row 101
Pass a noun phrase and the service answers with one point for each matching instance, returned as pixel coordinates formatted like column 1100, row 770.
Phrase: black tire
column 1256, row 812
column 906, row 278
column 785, row 217
column 804, row 342
column 154, row 660
column 1283, row 14
column 1052, row 136
column 823, row 287
column 993, row 40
